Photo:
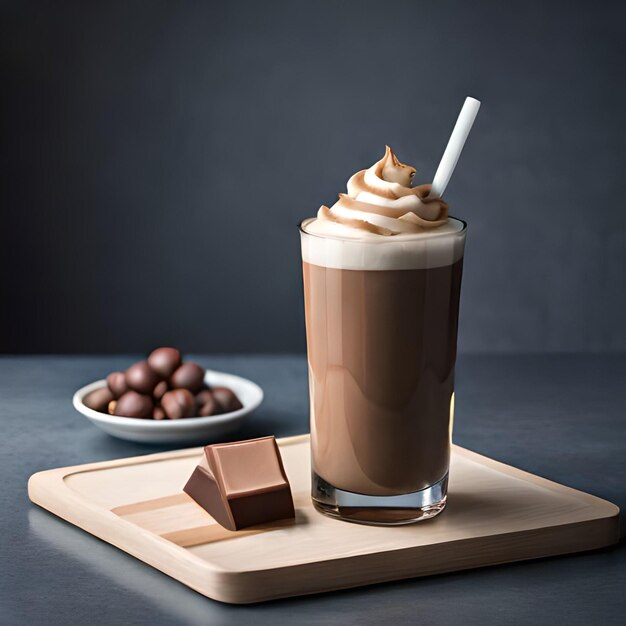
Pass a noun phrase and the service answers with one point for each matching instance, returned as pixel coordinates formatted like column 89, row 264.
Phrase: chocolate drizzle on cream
column 381, row 202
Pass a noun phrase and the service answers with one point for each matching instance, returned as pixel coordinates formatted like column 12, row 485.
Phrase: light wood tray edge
column 605, row 508
column 423, row 561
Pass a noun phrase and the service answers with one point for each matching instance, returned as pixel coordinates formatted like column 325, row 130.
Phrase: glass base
column 379, row 510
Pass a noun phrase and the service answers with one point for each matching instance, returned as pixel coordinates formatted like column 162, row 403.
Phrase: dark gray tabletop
column 561, row 417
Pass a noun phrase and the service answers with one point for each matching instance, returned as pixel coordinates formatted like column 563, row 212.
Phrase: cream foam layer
column 381, row 202
column 433, row 248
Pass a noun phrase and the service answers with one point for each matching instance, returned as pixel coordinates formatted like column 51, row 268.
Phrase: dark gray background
column 157, row 157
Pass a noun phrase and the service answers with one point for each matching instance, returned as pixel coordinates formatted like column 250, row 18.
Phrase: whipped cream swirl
column 381, row 202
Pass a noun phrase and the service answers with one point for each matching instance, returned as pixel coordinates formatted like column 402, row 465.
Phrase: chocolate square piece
column 242, row 483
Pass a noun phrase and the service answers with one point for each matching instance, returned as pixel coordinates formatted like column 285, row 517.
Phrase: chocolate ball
column 178, row 403
column 206, row 404
column 203, row 396
column 159, row 390
column 133, row 404
column 99, row 399
column 226, row 399
column 117, row 384
column 158, row 413
column 164, row 361
column 188, row 376
column 141, row 377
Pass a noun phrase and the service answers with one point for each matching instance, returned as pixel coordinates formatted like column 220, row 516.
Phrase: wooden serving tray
column 496, row 514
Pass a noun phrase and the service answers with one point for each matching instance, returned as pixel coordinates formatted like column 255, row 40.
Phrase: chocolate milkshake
column 382, row 276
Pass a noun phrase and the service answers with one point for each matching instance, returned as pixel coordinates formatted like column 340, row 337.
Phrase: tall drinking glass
column 381, row 327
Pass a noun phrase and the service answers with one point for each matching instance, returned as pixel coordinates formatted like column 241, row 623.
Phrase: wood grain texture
column 496, row 514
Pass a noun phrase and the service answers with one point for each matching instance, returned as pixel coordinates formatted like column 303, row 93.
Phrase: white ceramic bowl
column 189, row 430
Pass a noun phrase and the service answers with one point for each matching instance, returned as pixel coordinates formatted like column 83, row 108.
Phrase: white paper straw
column 455, row 146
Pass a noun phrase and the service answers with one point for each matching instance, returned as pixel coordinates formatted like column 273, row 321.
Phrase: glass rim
column 382, row 240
